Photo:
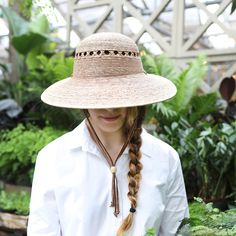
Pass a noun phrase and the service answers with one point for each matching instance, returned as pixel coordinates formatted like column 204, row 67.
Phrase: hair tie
column 132, row 210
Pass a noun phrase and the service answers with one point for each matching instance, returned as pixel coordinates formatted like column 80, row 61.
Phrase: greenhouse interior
column 189, row 43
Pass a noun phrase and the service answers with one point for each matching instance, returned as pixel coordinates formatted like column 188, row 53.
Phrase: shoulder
column 158, row 155
column 63, row 144
column 160, row 160
column 153, row 145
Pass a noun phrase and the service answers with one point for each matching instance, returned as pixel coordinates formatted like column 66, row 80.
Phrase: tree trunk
column 13, row 54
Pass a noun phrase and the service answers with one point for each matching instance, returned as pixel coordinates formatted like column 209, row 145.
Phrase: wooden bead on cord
column 113, row 169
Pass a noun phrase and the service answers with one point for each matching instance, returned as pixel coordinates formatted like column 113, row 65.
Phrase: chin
column 111, row 129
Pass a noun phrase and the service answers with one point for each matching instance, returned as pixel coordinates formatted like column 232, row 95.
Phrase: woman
column 108, row 176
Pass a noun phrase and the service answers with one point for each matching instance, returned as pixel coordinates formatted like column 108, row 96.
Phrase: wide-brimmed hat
column 108, row 73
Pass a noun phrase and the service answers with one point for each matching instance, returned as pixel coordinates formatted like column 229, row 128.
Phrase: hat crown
column 107, row 41
column 106, row 55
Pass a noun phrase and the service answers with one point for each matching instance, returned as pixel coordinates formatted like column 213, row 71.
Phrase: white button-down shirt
column 71, row 192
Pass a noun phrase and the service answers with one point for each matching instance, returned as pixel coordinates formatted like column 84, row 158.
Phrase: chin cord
column 115, row 194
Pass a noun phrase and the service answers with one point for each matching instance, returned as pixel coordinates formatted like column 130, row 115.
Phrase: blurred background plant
column 39, row 63
column 15, row 202
column 18, row 151
column 196, row 125
column 208, row 221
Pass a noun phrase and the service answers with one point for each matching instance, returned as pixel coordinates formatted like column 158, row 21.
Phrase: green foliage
column 27, row 91
column 39, row 67
column 51, row 69
column 25, row 6
column 207, row 150
column 10, row 90
column 200, row 106
column 150, row 232
column 18, row 150
column 207, row 153
column 233, row 6
column 186, row 101
column 29, row 38
column 4, row 69
column 47, row 71
column 17, row 25
column 160, row 65
column 187, row 83
column 26, row 35
column 209, row 221
column 35, row 38
column 15, row 202
column 26, row 42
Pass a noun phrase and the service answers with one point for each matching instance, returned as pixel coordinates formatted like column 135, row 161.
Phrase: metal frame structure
column 178, row 45
column 172, row 36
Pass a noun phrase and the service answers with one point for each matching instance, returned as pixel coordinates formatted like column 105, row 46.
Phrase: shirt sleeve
column 176, row 207
column 43, row 217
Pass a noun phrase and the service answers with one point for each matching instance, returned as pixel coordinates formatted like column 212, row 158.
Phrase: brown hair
column 134, row 114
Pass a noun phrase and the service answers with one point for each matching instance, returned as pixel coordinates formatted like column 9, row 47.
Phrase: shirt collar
column 80, row 138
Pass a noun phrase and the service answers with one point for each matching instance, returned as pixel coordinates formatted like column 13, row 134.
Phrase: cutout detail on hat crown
column 79, row 55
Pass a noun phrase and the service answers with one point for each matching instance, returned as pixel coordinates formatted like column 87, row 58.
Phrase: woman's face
column 108, row 120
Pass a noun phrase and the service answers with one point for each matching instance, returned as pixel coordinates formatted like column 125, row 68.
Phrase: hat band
column 106, row 66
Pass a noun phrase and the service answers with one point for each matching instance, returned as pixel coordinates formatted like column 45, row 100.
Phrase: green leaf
column 233, row 6
column 65, row 69
column 27, row 36
column 39, row 25
column 164, row 110
column 206, row 220
column 188, row 82
column 150, row 232
column 149, row 64
column 15, row 201
column 17, row 24
column 26, row 42
column 18, row 154
column 43, row 60
column 202, row 105
column 165, row 67
column 159, row 65
column 31, row 60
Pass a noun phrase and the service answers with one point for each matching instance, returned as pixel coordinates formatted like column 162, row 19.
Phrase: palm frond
column 188, row 82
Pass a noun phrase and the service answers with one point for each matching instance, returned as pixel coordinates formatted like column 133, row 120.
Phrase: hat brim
column 109, row 92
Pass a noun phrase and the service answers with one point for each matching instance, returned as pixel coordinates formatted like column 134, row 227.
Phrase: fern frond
column 163, row 110
column 188, row 82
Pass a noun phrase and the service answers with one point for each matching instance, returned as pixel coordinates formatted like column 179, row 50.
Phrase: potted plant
column 14, row 209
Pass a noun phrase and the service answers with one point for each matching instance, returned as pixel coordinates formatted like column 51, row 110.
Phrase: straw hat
column 108, row 73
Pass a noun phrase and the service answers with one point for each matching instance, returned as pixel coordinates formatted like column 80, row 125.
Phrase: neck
column 112, row 141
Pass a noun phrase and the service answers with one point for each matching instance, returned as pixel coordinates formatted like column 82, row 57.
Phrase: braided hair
column 134, row 114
